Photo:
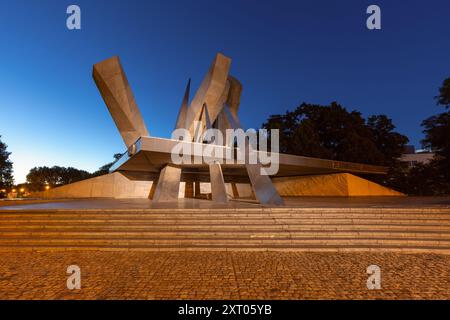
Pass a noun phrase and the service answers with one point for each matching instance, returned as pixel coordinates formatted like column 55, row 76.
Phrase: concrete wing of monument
column 113, row 85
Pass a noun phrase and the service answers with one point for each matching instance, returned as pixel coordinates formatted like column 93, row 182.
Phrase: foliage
column 6, row 167
column 331, row 132
column 436, row 177
column 38, row 177
column 105, row 168
column 55, row 176
column 444, row 94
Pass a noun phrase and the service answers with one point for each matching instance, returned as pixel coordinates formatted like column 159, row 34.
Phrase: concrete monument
column 148, row 160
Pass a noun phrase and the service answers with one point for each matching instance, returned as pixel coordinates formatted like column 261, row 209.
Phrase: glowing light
column 22, row 189
column 47, row 187
column 13, row 190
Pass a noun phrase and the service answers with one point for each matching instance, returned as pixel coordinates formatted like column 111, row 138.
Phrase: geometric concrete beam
column 210, row 92
column 234, row 97
column 263, row 187
column 203, row 123
column 218, row 188
column 118, row 97
column 181, row 119
column 168, row 185
column 234, row 190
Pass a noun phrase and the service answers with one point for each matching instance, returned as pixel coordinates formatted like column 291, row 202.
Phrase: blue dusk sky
column 284, row 53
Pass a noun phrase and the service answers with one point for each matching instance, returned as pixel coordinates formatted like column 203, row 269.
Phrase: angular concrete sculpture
column 215, row 105
column 116, row 92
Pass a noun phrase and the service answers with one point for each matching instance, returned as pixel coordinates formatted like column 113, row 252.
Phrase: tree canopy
column 437, row 128
column 6, row 167
column 105, row 168
column 332, row 132
column 444, row 94
column 437, row 138
column 55, row 176
column 38, row 177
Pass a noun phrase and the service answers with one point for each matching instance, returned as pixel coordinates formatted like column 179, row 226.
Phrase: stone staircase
column 293, row 229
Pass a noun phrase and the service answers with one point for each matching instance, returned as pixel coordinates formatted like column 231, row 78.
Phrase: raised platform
column 120, row 185
column 334, row 185
column 422, row 203
column 151, row 154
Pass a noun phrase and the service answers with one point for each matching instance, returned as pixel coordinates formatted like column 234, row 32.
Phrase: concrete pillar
column 218, row 188
column 189, row 189
column 235, row 190
column 168, row 185
column 263, row 187
column 196, row 189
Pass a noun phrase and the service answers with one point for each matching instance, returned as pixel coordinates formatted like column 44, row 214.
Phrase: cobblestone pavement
column 222, row 275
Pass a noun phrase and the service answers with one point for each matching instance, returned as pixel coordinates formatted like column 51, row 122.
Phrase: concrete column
column 189, row 189
column 263, row 187
column 235, row 190
column 218, row 188
column 168, row 185
column 196, row 189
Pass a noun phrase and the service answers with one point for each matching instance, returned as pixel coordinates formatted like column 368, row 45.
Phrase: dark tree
column 389, row 142
column 437, row 128
column 55, row 176
column 38, row 177
column 444, row 94
column 105, row 168
column 437, row 139
column 437, row 135
column 331, row 132
column 6, row 167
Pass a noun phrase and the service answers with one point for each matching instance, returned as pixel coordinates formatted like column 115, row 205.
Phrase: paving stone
column 222, row 275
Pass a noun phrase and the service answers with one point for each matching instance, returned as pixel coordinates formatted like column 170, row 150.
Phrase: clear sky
column 284, row 53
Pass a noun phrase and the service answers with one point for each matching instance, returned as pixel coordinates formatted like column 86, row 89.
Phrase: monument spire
column 181, row 120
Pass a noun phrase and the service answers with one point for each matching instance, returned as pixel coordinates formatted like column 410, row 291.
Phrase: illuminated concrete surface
column 218, row 187
column 338, row 184
column 422, row 203
column 168, row 186
column 151, row 154
column 116, row 92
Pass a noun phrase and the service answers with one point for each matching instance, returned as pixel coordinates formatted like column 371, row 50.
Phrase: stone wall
column 112, row 185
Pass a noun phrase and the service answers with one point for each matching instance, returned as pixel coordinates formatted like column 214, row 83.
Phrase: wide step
column 235, row 229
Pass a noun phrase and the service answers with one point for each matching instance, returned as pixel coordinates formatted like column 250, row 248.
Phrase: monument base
column 112, row 185
column 116, row 185
column 331, row 185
